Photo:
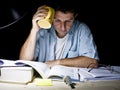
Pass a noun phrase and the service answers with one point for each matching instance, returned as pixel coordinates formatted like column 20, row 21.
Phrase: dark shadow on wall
column 15, row 23
column 101, row 18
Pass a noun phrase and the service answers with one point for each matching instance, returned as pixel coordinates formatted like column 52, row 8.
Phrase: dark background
column 101, row 17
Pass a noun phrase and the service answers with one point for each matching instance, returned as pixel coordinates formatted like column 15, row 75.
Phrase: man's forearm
column 26, row 53
column 27, row 50
column 80, row 61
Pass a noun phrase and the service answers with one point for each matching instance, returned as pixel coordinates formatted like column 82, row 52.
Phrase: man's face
column 62, row 22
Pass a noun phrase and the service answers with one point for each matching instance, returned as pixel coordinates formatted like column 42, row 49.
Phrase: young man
column 68, row 42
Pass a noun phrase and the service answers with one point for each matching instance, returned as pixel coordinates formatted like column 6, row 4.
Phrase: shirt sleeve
column 86, row 42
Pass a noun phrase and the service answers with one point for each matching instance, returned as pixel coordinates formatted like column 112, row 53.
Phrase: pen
column 90, row 69
column 78, row 74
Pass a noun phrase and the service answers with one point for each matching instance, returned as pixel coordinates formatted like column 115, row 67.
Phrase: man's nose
column 63, row 26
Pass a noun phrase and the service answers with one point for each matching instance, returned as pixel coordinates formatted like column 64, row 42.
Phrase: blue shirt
column 80, row 43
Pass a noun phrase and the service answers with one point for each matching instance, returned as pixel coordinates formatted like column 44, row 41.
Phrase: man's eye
column 69, row 21
column 57, row 20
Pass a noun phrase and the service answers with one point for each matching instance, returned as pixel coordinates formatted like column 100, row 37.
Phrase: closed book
column 21, row 75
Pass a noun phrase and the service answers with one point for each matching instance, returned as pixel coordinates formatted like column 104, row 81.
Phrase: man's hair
column 65, row 9
column 64, row 6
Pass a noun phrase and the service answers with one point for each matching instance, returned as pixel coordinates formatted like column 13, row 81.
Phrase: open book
column 57, row 72
column 100, row 73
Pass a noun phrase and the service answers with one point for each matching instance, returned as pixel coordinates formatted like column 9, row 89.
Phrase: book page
column 100, row 72
column 42, row 68
column 59, row 72
column 84, row 76
column 4, row 62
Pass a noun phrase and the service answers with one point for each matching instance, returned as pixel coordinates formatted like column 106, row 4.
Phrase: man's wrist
column 57, row 62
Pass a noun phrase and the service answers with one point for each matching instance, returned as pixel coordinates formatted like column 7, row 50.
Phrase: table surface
column 57, row 85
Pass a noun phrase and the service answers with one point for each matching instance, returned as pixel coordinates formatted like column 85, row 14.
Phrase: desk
column 98, row 85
